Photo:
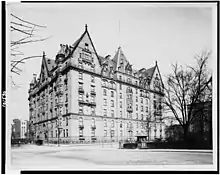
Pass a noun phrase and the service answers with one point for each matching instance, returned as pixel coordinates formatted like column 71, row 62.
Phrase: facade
column 83, row 96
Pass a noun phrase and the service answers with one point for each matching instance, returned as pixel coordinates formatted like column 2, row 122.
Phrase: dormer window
column 86, row 46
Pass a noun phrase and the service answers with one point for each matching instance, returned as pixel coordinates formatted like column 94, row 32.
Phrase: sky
column 146, row 32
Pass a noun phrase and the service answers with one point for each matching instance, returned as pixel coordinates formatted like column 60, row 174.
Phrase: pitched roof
column 149, row 72
column 119, row 56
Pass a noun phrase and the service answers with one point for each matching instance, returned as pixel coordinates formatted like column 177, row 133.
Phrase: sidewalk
column 171, row 150
column 112, row 146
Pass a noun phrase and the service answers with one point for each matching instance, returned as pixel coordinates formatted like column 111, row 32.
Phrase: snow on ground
column 103, row 157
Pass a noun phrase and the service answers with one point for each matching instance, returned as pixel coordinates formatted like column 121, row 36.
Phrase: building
column 19, row 129
column 89, row 97
column 202, row 121
column 24, row 129
column 16, row 129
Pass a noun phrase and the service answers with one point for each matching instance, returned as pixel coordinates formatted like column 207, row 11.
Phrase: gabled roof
column 119, row 56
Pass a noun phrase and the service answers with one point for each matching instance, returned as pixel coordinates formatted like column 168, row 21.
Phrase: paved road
column 98, row 156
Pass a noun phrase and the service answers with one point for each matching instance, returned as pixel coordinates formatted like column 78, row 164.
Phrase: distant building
column 202, row 120
column 16, row 129
column 24, row 129
column 83, row 96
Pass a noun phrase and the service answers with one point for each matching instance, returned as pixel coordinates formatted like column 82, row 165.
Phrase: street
column 101, row 157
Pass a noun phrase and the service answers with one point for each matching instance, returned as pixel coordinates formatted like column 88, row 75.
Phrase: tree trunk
column 186, row 135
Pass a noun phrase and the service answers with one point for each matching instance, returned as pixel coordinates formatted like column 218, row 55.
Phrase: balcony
column 93, row 93
column 81, row 90
column 93, row 127
column 129, row 109
column 93, row 103
column 81, row 127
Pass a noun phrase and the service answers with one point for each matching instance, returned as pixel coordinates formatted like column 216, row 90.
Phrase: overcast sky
column 148, row 32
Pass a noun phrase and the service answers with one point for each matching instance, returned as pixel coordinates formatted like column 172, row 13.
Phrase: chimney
column 108, row 56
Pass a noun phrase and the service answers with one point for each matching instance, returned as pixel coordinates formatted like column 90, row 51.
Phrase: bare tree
column 26, row 34
column 187, row 87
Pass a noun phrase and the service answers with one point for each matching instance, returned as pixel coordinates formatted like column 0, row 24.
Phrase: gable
column 44, row 71
column 85, row 51
column 156, row 80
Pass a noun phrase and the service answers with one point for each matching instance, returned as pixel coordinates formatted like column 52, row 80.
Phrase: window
column 113, row 124
column 80, row 97
column 121, row 114
column 121, row 124
column 105, row 123
column 86, row 46
column 146, row 108
column 120, row 86
column 93, row 110
column 146, row 101
column 112, row 93
column 120, row 78
column 112, row 133
column 120, row 104
column 112, row 113
column 92, row 99
column 121, row 133
column 136, row 115
column 105, row 102
column 66, row 121
column 93, row 122
column 104, row 112
column 66, row 132
column 120, row 95
column 112, row 103
column 52, row 133
column 92, row 88
column 63, row 132
column 66, row 97
column 136, row 98
column 93, row 132
column 137, row 125
column 80, row 85
column 142, row 117
column 142, row 109
column 136, row 91
column 104, row 92
column 81, row 133
column 80, row 109
column 105, row 133
column 155, row 104
column 141, row 100
column 80, row 121
column 136, row 107
column 92, row 79
column 80, row 75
